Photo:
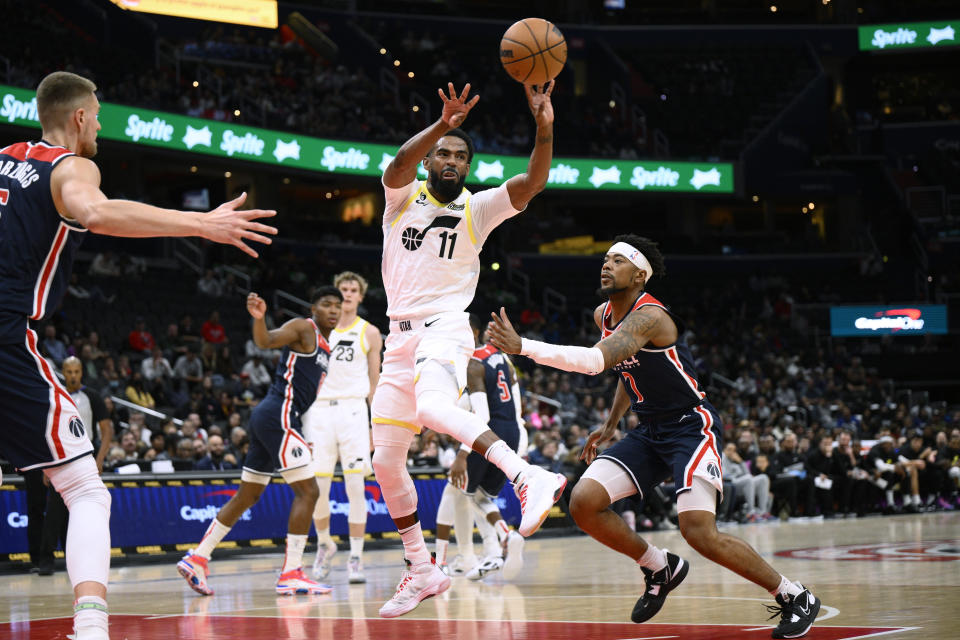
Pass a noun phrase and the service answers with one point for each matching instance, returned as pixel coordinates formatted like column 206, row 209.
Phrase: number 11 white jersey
column 431, row 250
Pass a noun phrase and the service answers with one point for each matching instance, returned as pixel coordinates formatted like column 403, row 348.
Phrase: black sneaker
column 797, row 614
column 659, row 584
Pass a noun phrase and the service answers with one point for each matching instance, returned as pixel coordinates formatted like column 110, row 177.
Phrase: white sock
column 323, row 537
column 916, row 500
column 653, row 558
column 787, row 587
column 440, row 548
column 506, row 459
column 356, row 546
column 90, row 611
column 414, row 547
column 215, row 533
column 890, row 500
column 294, row 556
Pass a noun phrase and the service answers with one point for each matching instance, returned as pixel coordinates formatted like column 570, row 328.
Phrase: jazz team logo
column 924, row 551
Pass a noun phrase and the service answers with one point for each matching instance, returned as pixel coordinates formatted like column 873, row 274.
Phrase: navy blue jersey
column 661, row 381
column 37, row 244
column 299, row 375
column 496, row 377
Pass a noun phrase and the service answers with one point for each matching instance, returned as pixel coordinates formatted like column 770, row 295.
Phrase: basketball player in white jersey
column 433, row 234
column 337, row 425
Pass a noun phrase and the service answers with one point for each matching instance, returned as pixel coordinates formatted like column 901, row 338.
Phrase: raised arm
column 402, row 170
column 523, row 187
column 75, row 187
column 298, row 333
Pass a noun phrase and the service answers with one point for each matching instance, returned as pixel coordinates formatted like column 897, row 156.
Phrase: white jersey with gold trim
column 348, row 375
column 431, row 250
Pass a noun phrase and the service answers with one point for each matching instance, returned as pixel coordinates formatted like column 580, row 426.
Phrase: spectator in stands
column 105, row 264
column 217, row 458
column 208, row 358
column 854, row 488
column 429, row 455
column 157, row 374
column 189, row 369
column 882, row 462
column 185, row 450
column 80, row 292
column 915, row 458
column 93, row 341
column 192, row 427
column 948, row 460
column 137, row 392
column 210, row 285
column 140, row 339
column 225, row 368
column 258, row 374
column 128, row 442
column 755, row 489
column 52, row 346
column 823, row 470
column 188, row 332
column 212, row 331
column 783, row 486
column 158, row 447
column 109, row 375
column 170, row 342
column 238, row 441
column 199, row 450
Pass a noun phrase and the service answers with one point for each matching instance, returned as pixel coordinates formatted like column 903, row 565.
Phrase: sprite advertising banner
column 908, row 35
column 228, row 140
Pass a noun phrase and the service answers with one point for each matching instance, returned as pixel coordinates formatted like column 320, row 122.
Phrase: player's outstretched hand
column 502, row 335
column 227, row 225
column 456, row 108
column 538, row 97
column 594, row 440
column 256, row 305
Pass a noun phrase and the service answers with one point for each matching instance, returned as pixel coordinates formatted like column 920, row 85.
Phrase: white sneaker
column 91, row 633
column 324, row 560
column 355, row 569
column 490, row 564
column 416, row 584
column 537, row 490
column 461, row 565
column 513, row 555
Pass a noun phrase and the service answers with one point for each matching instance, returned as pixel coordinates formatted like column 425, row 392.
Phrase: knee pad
column 702, row 496
column 484, row 503
column 446, row 512
column 356, row 494
column 79, row 481
column 396, row 485
column 322, row 509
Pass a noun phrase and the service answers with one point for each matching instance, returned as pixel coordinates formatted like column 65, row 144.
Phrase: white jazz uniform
column 337, row 424
column 431, row 265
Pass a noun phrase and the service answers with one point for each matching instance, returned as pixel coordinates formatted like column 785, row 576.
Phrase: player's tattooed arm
column 638, row 329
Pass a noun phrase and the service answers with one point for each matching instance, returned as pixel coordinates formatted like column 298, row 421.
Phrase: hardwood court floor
column 896, row 576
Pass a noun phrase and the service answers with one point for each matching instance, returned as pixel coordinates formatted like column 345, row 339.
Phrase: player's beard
column 606, row 292
column 446, row 190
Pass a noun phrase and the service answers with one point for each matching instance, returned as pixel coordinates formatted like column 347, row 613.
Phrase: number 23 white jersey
column 431, row 250
column 348, row 375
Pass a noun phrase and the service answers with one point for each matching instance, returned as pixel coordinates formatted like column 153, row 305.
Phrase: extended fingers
column 240, row 244
column 464, row 93
column 251, row 214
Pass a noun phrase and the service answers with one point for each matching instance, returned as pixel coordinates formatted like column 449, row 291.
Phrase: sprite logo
column 883, row 38
column 248, row 144
column 662, row 177
column 14, row 109
column 563, row 174
column 349, row 159
column 155, row 129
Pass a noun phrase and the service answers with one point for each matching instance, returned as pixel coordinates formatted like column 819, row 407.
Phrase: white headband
column 633, row 255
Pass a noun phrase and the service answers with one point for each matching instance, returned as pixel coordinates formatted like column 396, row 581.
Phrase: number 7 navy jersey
column 661, row 381
column 37, row 244
column 496, row 377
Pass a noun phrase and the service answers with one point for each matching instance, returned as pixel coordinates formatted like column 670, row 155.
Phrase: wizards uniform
column 276, row 440
column 503, row 420
column 41, row 425
column 679, row 432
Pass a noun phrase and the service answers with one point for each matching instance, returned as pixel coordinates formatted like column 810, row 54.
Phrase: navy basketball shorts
column 40, row 423
column 483, row 474
column 684, row 448
column 276, row 440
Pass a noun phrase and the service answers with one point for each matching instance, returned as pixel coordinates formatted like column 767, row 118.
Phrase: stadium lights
column 396, row 63
column 773, row 8
column 756, row 198
column 193, row 169
column 383, row 52
column 286, row 181
column 415, row 108
column 196, row 83
column 495, row 266
column 410, row 74
column 613, row 104
column 811, row 206
column 227, row 174
column 329, row 195
column 236, row 112
column 805, row 210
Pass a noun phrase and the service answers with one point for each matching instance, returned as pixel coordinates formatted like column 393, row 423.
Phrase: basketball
column 533, row 51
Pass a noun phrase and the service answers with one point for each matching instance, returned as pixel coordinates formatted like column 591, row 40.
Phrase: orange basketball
column 533, row 51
